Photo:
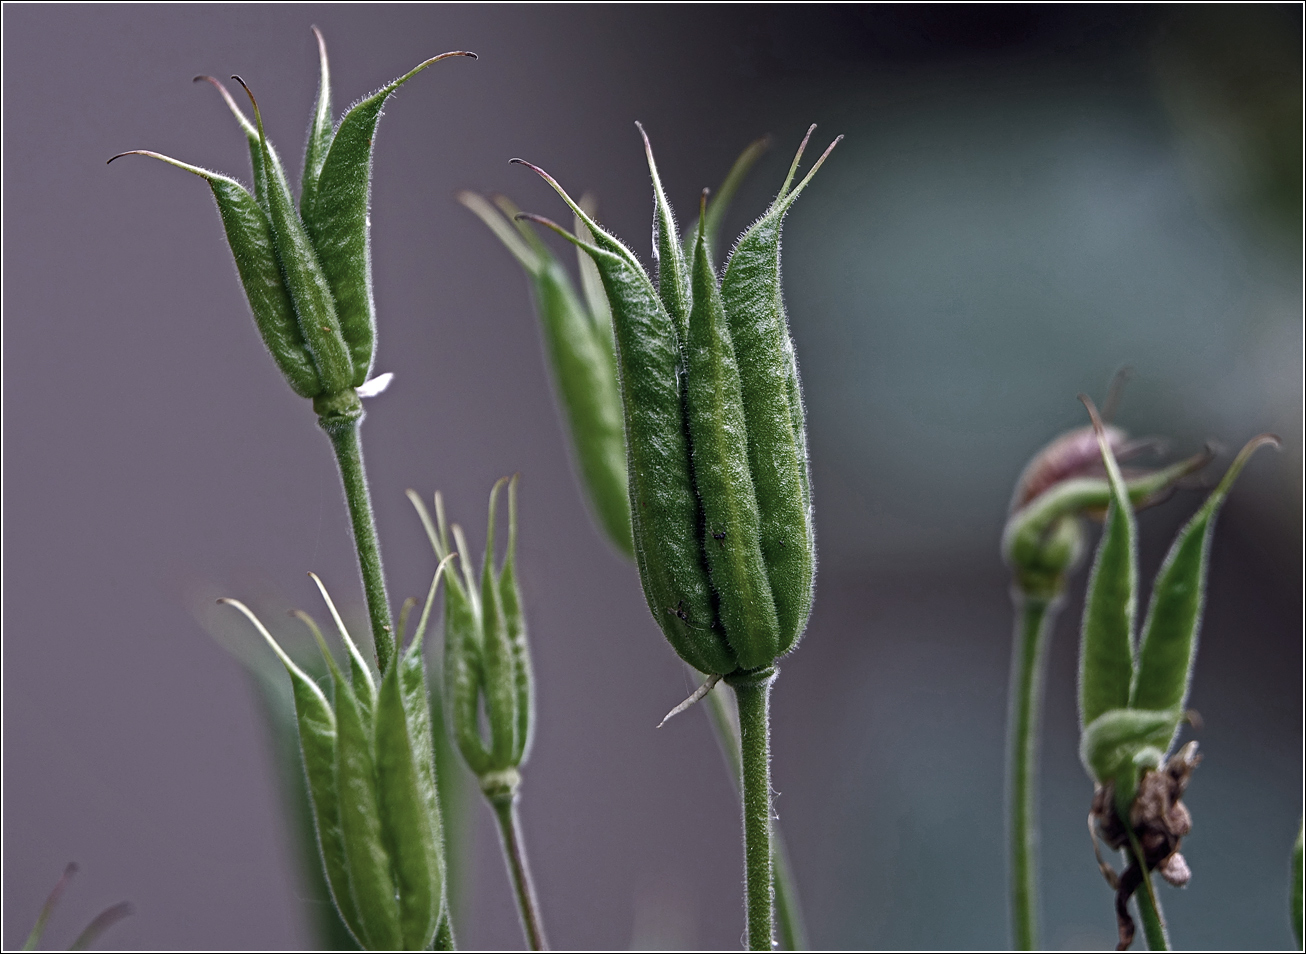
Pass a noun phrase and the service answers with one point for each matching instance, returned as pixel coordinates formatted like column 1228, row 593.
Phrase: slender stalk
column 514, row 852
column 789, row 922
column 1149, row 906
column 1034, row 618
column 344, row 434
column 753, row 695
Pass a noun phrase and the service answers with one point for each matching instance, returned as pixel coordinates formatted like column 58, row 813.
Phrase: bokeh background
column 1027, row 199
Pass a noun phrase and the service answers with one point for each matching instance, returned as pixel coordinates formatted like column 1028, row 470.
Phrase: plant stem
column 788, row 909
column 753, row 695
column 514, row 852
column 1034, row 618
column 344, row 434
column 1149, row 906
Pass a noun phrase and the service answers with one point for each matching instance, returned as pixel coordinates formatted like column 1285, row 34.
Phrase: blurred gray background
column 1027, row 199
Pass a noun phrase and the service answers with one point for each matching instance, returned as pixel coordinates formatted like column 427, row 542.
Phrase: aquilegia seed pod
column 1132, row 692
column 715, row 435
column 307, row 271
column 486, row 657
column 369, row 758
column 578, row 341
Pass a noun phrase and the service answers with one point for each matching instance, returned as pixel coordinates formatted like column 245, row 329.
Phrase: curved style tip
column 538, row 220
column 248, row 93
column 1098, row 427
column 103, row 921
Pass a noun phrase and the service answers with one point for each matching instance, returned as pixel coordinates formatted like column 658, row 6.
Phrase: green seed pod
column 334, row 207
column 315, row 269
column 1169, row 644
column 1130, row 711
column 487, row 663
column 1106, row 646
column 669, row 258
column 320, row 129
column 773, row 407
column 314, row 305
column 250, row 236
column 663, row 500
column 719, row 433
column 369, row 759
column 720, row 498
column 578, row 340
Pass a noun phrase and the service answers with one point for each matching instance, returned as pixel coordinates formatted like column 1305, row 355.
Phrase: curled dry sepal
column 715, row 434
column 578, row 340
column 307, row 271
column 1132, row 693
column 486, row 657
column 369, row 757
column 1044, row 536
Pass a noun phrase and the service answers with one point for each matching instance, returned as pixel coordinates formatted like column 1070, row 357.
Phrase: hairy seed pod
column 773, row 407
column 663, row 501
column 719, row 432
column 487, row 661
column 335, row 217
column 716, row 442
column 320, row 252
column 314, row 305
column 368, row 758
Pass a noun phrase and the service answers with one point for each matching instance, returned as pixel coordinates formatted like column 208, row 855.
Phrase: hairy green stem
column 1034, row 618
column 753, row 695
column 514, row 853
column 789, row 923
column 344, row 434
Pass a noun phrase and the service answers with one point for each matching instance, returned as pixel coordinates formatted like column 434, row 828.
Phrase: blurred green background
column 1028, row 198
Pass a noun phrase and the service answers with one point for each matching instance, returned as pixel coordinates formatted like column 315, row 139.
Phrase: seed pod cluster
column 1132, row 693
column 715, row 435
column 307, row 270
column 486, row 658
column 578, row 340
column 369, row 757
